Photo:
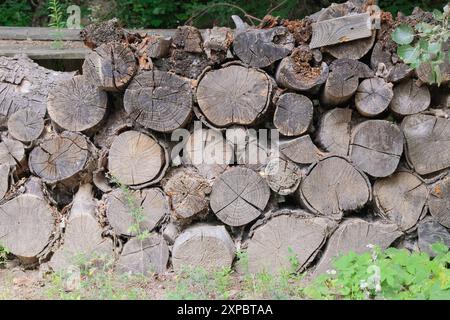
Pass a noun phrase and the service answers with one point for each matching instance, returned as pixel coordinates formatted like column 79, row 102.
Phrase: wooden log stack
column 155, row 157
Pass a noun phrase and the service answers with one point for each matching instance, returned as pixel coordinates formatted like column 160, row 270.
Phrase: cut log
column 186, row 64
column 409, row 98
column 145, row 257
column 439, row 201
column 430, row 232
column 76, row 104
column 136, row 159
column 96, row 34
column 25, row 125
column 427, row 147
column 293, row 115
column 284, row 234
column 122, row 209
column 4, row 179
column 217, row 42
column 333, row 186
column 234, row 95
column 343, row 81
column 188, row 194
column 83, row 235
column 110, row 66
column 262, row 47
column 334, row 134
column 189, row 39
column 158, row 46
column 159, row 100
column 12, row 153
column 59, row 158
column 401, row 199
column 376, row 147
column 381, row 61
column 283, row 176
column 239, row 196
column 203, row 246
column 301, row 150
column 373, row 97
column 355, row 235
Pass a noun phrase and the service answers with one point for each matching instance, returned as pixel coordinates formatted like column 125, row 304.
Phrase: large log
column 25, row 125
column 439, row 201
column 293, row 114
column 373, row 96
column 333, row 134
column 409, row 98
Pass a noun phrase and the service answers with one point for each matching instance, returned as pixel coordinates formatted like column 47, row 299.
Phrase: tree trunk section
column 12, row 153
column 439, row 201
column 283, row 176
column 334, row 131
column 409, row 98
column 301, row 150
column 373, row 97
column 293, row 115
column 25, row 125
column 429, row 232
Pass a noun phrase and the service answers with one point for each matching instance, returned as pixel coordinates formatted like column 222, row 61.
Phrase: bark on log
column 283, row 234
column 427, row 143
column 334, row 131
column 301, row 150
column 381, row 61
column 429, row 232
column 159, row 100
column 4, row 179
column 12, row 153
column 373, row 97
column 189, row 39
column 401, row 199
column 333, row 186
column 96, row 34
column 239, row 196
column 439, row 201
column 205, row 246
column 234, row 95
column 261, row 47
column 376, row 147
column 76, row 104
column 409, row 98
column 293, row 115
column 217, row 43
column 25, row 125
column 283, row 176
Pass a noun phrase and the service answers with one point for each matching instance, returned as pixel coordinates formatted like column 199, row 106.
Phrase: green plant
column 56, row 22
column 423, row 43
column 3, row 255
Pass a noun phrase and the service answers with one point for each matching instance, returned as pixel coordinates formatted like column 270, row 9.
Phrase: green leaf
column 403, row 34
column 438, row 15
column 424, row 27
column 408, row 54
column 434, row 47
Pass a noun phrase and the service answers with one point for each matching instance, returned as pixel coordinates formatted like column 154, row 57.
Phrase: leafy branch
column 56, row 21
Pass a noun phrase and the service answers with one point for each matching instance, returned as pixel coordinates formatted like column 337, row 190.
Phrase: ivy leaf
column 403, row 34
column 408, row 54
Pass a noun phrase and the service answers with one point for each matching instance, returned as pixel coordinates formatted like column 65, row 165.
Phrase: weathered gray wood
column 189, row 39
column 381, row 61
column 301, row 150
column 333, row 186
column 203, row 246
column 373, row 96
column 342, row 29
column 283, row 176
column 217, row 42
column 293, row 115
column 4, row 179
column 409, row 98
column 262, row 47
column 12, row 153
column 234, row 95
column 427, row 147
column 376, row 147
column 401, row 199
column 159, row 100
column 283, row 234
column 430, row 232
column 439, row 201
column 334, row 131
column 25, row 125
column 239, row 196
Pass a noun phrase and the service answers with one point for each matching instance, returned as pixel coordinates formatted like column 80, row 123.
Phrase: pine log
column 430, row 232
column 110, row 66
column 4, row 179
column 12, row 153
column 373, row 97
column 121, row 207
column 145, row 257
column 239, row 196
column 401, row 199
column 301, row 150
column 76, row 104
column 283, row 176
column 262, row 47
column 333, row 186
column 136, row 159
column 293, row 115
column 25, row 125
column 159, row 100
column 333, row 134
column 427, row 146
column 439, row 201
column 285, row 233
column 376, row 147
column 203, row 246
column 409, row 98
column 234, row 95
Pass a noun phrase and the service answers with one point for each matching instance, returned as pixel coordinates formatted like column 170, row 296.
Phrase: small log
column 12, row 153
column 427, row 146
column 355, row 235
column 83, row 235
column 217, row 43
column 188, row 194
column 88, row 111
column 137, row 159
column 158, row 47
column 333, row 186
column 439, row 201
column 25, row 125
column 301, row 150
column 145, row 257
column 159, row 100
column 293, row 115
column 203, row 246
column 110, row 66
column 429, row 232
column 153, row 208
column 333, row 134
column 283, row 176
column 4, row 179
column 239, row 196
column 262, row 47
column 376, row 147
column 401, row 199
column 285, row 233
column 409, row 98
column 373, row 96
column 234, row 95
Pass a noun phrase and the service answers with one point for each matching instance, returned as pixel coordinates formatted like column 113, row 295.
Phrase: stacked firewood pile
column 89, row 164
